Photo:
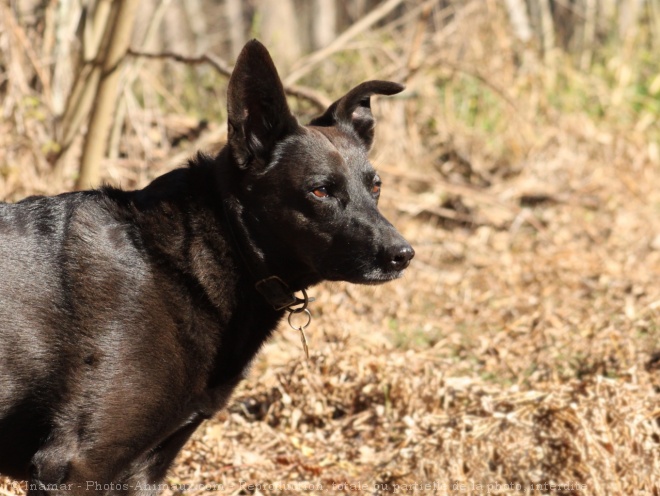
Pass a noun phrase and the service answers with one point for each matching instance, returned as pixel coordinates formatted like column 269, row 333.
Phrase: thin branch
column 317, row 99
column 24, row 41
column 320, row 101
column 218, row 64
column 309, row 62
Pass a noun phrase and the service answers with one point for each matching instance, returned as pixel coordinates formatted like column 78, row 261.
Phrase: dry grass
column 519, row 355
column 512, row 356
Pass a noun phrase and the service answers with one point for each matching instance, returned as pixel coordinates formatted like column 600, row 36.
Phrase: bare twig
column 457, row 189
column 319, row 101
column 416, row 47
column 309, row 62
column 25, row 43
column 132, row 74
column 218, row 64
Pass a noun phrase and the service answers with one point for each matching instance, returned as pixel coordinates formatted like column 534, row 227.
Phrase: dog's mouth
column 379, row 277
column 372, row 277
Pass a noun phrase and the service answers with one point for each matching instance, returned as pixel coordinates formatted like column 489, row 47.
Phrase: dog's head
column 309, row 193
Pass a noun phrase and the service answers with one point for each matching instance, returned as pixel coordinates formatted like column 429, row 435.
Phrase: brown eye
column 375, row 189
column 321, row 192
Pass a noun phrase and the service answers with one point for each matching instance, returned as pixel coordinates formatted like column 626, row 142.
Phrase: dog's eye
column 375, row 189
column 321, row 192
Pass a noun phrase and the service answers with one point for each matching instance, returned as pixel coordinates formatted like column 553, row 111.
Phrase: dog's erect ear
column 354, row 109
column 258, row 113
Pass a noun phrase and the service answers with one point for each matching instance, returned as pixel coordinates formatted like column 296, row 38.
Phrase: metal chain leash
column 301, row 327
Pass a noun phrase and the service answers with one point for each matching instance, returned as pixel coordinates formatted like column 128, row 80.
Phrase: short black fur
column 128, row 317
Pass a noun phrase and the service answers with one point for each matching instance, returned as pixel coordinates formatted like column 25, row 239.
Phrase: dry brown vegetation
column 521, row 353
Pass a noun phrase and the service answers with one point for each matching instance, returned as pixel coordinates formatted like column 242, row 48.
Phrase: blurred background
column 522, row 348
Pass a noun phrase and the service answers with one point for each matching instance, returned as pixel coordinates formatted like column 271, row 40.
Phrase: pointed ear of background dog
column 354, row 109
column 257, row 109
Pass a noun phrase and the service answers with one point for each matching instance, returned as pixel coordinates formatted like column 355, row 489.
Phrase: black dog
column 128, row 317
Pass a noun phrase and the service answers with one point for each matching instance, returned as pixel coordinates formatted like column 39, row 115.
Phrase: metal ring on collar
column 306, row 324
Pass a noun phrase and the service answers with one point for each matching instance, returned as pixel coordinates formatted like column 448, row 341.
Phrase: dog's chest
column 240, row 343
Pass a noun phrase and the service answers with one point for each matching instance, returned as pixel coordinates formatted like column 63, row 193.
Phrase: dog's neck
column 277, row 285
column 272, row 287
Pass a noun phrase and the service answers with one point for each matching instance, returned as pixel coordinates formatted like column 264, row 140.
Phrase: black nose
column 399, row 256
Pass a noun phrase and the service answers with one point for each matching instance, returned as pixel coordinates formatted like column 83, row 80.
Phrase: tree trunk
column 279, row 28
column 324, row 23
column 589, row 38
column 547, row 31
column 118, row 37
column 519, row 19
column 96, row 19
column 234, row 13
column 197, row 21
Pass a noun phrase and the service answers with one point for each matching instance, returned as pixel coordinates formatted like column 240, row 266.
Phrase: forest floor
column 520, row 354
